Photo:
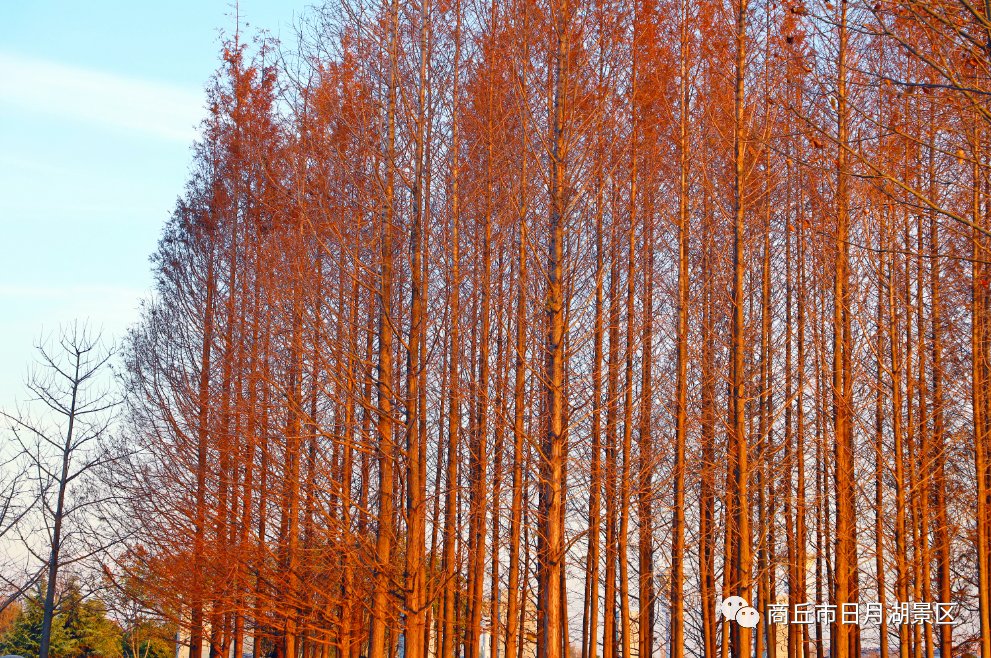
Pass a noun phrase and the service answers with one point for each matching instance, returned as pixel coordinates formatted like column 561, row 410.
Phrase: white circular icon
column 747, row 617
column 731, row 606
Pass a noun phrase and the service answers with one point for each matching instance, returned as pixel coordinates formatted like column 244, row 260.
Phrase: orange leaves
column 496, row 150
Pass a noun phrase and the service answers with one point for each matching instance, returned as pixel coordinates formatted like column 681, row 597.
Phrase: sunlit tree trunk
column 677, row 641
column 416, row 444
column 845, row 638
column 384, row 428
column 550, row 624
column 739, row 446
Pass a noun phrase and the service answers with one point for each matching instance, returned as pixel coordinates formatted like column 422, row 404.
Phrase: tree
column 24, row 636
column 144, row 633
column 552, row 623
column 86, row 622
column 79, row 629
column 65, row 445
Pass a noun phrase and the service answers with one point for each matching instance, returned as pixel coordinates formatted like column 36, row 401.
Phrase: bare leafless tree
column 60, row 437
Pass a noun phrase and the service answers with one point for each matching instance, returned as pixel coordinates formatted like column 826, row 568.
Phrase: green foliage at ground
column 148, row 640
column 24, row 636
column 81, row 628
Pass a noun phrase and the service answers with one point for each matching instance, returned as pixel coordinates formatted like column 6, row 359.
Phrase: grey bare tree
column 60, row 434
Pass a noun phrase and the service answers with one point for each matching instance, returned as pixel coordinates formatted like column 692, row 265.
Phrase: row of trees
column 531, row 327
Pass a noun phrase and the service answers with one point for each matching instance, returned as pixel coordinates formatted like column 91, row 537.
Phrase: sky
column 99, row 103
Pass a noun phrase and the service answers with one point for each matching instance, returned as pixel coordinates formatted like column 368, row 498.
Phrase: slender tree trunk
column 480, row 424
column 609, row 630
column 626, row 473
column 590, row 620
column 765, row 636
column 845, row 638
column 516, row 601
column 202, row 435
column 942, row 520
column 981, row 381
column 879, row 452
column 707, row 467
column 448, row 641
column 677, row 641
column 495, row 612
column 550, row 625
column 386, row 453
column 901, row 550
column 48, row 613
column 741, row 585
column 416, row 444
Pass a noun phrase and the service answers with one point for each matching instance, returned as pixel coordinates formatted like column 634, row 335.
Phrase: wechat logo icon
column 736, row 608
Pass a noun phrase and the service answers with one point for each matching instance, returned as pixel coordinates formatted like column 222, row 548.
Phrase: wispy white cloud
column 153, row 108
column 34, row 291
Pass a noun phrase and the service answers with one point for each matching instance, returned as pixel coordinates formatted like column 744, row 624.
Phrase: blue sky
column 98, row 106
